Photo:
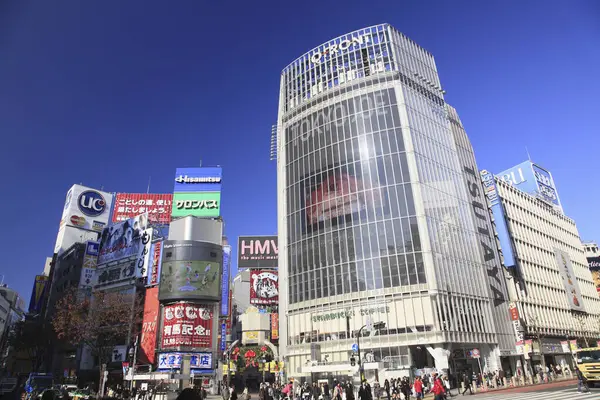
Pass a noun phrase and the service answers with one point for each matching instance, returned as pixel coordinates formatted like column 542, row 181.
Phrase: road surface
column 535, row 393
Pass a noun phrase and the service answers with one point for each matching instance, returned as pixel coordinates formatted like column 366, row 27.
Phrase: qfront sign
column 205, row 179
column 341, row 46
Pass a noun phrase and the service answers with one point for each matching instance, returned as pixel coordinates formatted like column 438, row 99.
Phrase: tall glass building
column 377, row 218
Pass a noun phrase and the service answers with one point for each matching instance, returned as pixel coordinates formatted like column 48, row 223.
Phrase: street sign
column 355, row 348
column 475, row 353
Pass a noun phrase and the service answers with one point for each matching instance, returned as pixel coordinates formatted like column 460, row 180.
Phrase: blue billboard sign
column 532, row 179
column 225, row 280
column 200, row 179
column 223, row 337
column 546, row 187
column 491, row 193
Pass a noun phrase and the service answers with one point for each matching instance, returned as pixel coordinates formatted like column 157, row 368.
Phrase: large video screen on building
column 190, row 270
column 350, row 206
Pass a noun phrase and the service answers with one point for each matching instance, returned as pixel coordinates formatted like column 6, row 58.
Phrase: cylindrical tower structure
column 375, row 218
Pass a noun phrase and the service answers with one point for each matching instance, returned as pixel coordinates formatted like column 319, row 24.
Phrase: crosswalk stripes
column 563, row 394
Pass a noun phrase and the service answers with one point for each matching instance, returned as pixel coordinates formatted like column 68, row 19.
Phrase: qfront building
column 386, row 243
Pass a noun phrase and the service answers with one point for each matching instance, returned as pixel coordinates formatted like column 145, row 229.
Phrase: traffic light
column 352, row 361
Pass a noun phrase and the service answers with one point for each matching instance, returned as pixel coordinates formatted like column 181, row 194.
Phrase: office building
column 553, row 297
column 375, row 217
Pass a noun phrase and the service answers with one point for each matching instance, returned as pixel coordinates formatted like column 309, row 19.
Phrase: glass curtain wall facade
column 375, row 219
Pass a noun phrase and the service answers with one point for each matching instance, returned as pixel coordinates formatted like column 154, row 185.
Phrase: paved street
column 541, row 393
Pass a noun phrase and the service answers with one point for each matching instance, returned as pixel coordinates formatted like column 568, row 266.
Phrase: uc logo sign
column 91, row 203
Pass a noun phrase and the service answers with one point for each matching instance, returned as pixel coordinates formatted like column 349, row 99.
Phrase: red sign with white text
column 264, row 287
column 150, row 324
column 156, row 260
column 187, row 325
column 274, row 326
column 158, row 207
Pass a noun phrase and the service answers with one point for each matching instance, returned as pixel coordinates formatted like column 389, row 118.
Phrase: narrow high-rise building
column 386, row 247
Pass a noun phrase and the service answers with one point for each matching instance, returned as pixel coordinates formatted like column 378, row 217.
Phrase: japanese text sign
column 158, row 207
column 187, row 325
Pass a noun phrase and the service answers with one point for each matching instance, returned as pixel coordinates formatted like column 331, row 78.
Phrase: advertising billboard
column 124, row 269
column 264, row 287
column 155, row 264
column 594, row 265
column 258, row 251
column 545, row 183
column 86, row 208
column 38, row 294
column 532, row 179
column 200, row 179
column 122, row 240
column 187, row 325
column 130, row 205
column 565, row 269
column 174, row 360
column 150, row 324
column 90, row 262
column 197, row 204
column 225, row 280
column 274, row 326
column 191, row 270
column 491, row 193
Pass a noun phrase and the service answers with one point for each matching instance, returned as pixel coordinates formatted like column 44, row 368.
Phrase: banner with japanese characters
column 155, row 264
column 158, row 207
column 174, row 360
column 264, row 287
column 187, row 325
column 150, row 324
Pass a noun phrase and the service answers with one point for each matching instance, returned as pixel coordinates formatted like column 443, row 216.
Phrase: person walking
column 446, row 383
column 418, row 388
column 439, row 392
column 467, row 382
column 581, row 381
column 386, row 388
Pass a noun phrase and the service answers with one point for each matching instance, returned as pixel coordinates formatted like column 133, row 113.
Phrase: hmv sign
column 258, row 252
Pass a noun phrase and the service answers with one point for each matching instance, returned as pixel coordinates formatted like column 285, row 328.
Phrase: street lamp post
column 361, row 370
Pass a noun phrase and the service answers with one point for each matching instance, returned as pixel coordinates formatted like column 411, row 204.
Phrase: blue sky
column 108, row 93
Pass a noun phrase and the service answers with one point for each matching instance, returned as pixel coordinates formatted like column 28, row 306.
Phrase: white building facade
column 550, row 284
column 376, row 218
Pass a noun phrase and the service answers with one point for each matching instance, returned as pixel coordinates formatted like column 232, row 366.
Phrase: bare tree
column 100, row 322
column 581, row 318
column 534, row 328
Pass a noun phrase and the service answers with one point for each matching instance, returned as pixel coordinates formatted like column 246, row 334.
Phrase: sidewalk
column 518, row 389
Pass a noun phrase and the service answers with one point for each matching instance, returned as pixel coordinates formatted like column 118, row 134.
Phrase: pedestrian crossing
column 562, row 394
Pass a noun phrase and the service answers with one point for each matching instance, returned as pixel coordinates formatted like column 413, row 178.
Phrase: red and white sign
column 187, row 325
column 475, row 353
column 158, row 207
column 156, row 260
column 150, row 324
column 275, row 326
column 513, row 311
column 264, row 287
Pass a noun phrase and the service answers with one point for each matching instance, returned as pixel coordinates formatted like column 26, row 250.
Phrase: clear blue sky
column 108, row 93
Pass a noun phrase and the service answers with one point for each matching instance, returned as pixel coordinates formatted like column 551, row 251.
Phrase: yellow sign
column 250, row 337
